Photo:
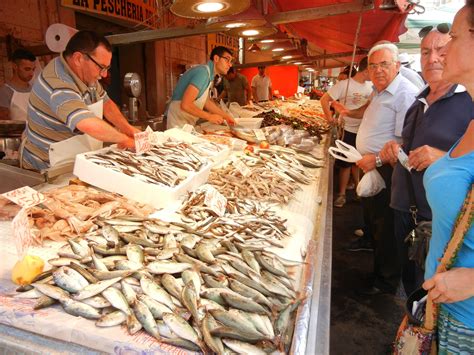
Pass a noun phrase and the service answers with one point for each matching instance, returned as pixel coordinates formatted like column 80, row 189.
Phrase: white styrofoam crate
column 156, row 195
column 249, row 122
column 179, row 134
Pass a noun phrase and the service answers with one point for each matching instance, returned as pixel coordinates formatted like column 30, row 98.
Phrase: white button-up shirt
column 383, row 119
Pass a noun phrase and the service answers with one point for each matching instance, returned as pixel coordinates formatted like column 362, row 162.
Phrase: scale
column 133, row 88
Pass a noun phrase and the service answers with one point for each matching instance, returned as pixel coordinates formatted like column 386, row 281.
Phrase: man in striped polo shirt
column 67, row 103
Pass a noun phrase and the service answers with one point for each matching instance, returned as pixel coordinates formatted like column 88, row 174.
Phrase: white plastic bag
column 370, row 184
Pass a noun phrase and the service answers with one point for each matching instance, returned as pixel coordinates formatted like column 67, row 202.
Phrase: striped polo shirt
column 58, row 102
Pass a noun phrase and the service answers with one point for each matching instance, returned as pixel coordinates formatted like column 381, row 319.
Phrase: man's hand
column 340, row 108
column 215, row 118
column 229, row 120
column 367, row 163
column 130, row 131
column 422, row 157
column 389, row 152
column 451, row 286
column 127, row 143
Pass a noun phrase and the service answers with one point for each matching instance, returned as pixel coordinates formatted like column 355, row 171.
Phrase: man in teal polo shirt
column 191, row 101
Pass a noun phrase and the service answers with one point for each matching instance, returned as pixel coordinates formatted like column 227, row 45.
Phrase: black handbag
column 418, row 239
column 418, row 242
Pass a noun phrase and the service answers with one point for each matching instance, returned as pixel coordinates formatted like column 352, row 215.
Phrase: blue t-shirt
column 199, row 76
column 446, row 183
column 440, row 126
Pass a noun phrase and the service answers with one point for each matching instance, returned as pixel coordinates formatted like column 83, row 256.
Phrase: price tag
column 259, row 134
column 188, row 128
column 142, row 142
column 215, row 200
column 25, row 197
column 21, row 232
column 241, row 167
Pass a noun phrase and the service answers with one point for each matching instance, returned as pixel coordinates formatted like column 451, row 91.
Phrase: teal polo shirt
column 198, row 77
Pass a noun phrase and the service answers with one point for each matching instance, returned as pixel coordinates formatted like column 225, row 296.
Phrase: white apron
column 19, row 105
column 65, row 151
column 176, row 117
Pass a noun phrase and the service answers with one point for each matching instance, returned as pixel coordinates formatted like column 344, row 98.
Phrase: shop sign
column 220, row 39
column 142, row 12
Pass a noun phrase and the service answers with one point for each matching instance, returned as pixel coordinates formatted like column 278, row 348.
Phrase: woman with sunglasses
column 447, row 183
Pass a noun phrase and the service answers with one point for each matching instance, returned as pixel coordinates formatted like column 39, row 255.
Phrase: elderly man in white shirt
column 383, row 121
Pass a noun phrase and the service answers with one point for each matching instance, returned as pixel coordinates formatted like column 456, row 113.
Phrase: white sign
column 21, row 232
column 142, row 142
column 259, row 134
column 188, row 128
column 242, row 167
column 25, row 197
column 215, row 200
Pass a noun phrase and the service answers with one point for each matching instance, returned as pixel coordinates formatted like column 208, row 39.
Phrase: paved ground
column 359, row 324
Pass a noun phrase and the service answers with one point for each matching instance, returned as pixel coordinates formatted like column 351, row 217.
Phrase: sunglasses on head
column 441, row 28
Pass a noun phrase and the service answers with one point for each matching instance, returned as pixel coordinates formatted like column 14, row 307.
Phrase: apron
column 176, row 117
column 65, row 151
column 19, row 105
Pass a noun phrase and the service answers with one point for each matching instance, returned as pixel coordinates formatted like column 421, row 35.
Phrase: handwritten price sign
column 214, row 200
column 241, row 167
column 142, row 142
column 21, row 232
column 25, row 197
column 259, row 134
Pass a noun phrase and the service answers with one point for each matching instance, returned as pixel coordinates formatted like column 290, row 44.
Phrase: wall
column 284, row 77
column 27, row 21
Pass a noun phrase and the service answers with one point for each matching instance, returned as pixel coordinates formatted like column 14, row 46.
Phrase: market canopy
column 337, row 34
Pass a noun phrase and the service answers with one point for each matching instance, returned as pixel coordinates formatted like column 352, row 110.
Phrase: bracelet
column 378, row 161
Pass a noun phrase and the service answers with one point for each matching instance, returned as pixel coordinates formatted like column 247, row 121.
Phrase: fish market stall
column 133, row 281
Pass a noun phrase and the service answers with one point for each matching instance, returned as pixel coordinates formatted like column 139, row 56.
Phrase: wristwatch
column 378, row 161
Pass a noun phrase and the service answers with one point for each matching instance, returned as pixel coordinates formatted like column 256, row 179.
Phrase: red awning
column 336, row 34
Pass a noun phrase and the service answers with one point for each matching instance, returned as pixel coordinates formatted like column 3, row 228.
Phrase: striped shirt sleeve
column 69, row 107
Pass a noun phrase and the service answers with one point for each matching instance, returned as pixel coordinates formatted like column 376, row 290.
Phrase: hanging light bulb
column 250, row 33
column 210, row 7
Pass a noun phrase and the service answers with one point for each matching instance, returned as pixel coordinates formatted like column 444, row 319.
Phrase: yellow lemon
column 26, row 269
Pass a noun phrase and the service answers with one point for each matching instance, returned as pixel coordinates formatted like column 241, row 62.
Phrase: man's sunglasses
column 441, row 28
column 103, row 69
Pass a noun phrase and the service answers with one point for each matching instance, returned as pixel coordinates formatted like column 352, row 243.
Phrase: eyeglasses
column 103, row 69
column 441, row 28
column 227, row 59
column 383, row 65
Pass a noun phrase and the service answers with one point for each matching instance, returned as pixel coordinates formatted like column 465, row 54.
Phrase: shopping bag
column 414, row 340
column 370, row 184
column 412, row 337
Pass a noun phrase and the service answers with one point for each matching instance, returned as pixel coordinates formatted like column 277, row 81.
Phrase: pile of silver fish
column 157, row 166
column 263, row 183
column 247, row 223
column 273, row 177
column 181, row 287
column 207, row 149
